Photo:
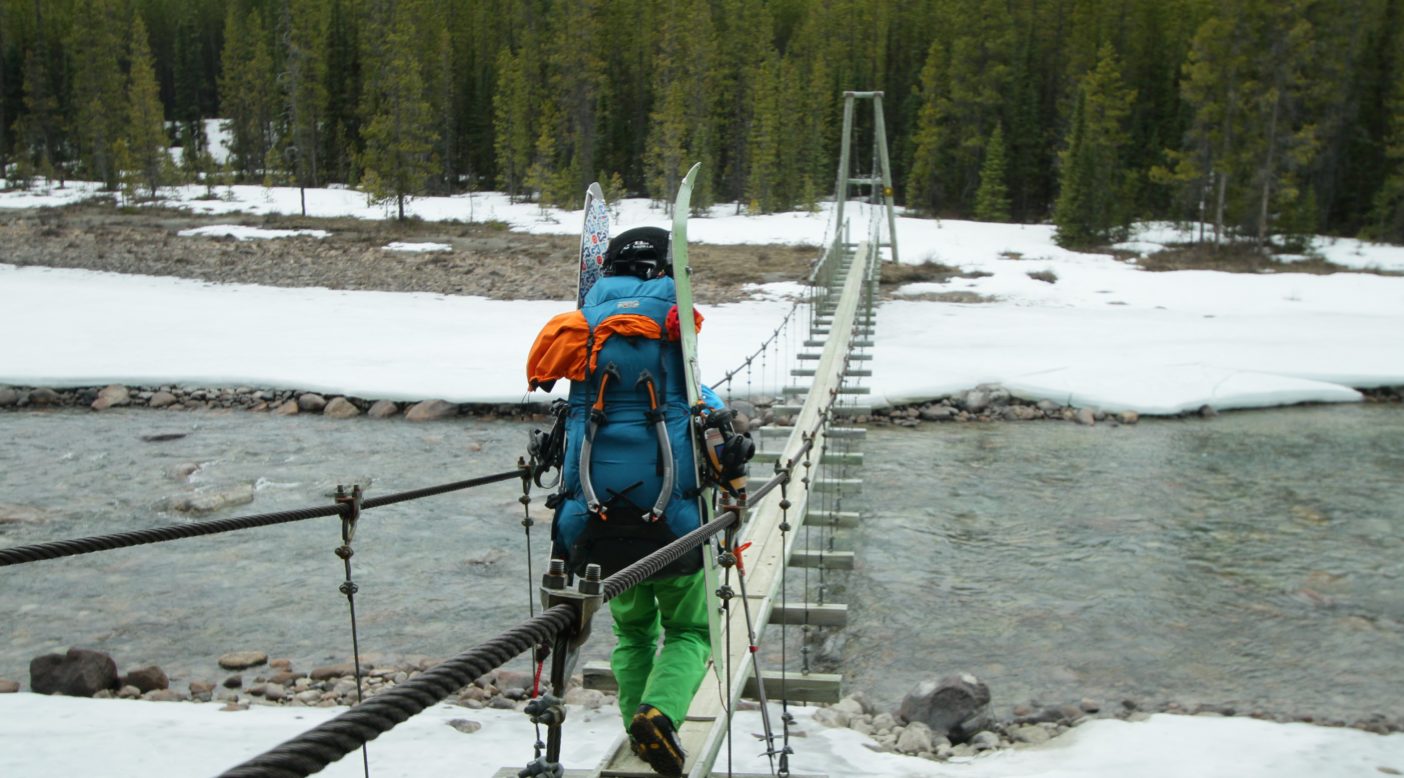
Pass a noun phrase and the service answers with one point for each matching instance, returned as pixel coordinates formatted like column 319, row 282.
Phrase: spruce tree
column 98, row 89
column 992, row 198
column 398, row 137
column 1091, row 201
column 145, row 132
column 1387, row 216
column 512, row 115
column 924, row 187
column 681, row 123
column 247, row 91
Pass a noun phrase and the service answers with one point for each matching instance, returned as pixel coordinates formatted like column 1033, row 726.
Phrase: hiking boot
column 654, row 740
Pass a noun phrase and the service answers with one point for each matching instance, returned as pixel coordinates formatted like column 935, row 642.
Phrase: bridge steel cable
column 318, row 747
column 61, row 548
column 327, row 742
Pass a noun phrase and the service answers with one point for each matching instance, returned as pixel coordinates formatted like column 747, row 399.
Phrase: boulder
column 311, row 402
column 382, row 409
column 8, row 397
column 113, row 396
column 8, row 687
column 287, row 408
column 147, row 679
column 332, row 671
column 200, row 503
column 1128, row 417
column 916, row 737
column 79, row 673
column 161, row 400
column 1085, row 416
column 431, row 410
column 341, row 408
column 465, row 726
column 957, row 706
column 976, row 400
column 44, row 396
column 242, row 660
column 937, row 413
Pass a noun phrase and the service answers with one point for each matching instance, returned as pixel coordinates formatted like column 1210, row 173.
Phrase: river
column 1250, row 561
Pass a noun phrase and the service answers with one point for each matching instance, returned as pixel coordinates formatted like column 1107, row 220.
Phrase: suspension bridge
column 783, row 541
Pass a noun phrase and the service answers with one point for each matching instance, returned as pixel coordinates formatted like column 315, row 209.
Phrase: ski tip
column 594, row 191
column 692, row 173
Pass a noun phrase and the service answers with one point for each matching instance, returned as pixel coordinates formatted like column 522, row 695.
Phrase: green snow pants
column 665, row 679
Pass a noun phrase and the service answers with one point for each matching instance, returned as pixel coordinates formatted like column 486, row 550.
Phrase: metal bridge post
column 549, row 709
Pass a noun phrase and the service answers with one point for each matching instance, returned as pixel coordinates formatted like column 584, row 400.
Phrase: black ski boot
column 654, row 740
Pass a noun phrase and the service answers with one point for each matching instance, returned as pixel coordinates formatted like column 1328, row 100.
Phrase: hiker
column 629, row 482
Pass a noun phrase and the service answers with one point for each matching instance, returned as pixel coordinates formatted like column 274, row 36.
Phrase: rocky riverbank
column 937, row 720
column 984, row 403
column 483, row 259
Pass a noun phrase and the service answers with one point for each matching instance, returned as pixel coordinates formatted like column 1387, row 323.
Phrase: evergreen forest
column 1260, row 120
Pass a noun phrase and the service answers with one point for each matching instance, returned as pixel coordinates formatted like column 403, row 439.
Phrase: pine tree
column 398, row 137
column 1251, row 136
column 1387, row 216
column 247, row 90
column 680, row 126
column 924, row 187
column 342, row 122
column 145, row 132
column 1091, row 200
column 512, row 115
column 98, row 89
column 302, row 32
column 992, row 198
column 765, row 141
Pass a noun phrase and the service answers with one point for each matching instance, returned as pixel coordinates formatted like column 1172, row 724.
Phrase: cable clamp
column 349, row 515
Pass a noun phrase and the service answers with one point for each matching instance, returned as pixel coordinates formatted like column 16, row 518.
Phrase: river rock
column 383, row 409
column 8, row 397
column 1033, row 734
column 287, row 408
column 590, row 699
column 832, row 717
column 976, row 401
column 1085, row 416
column 79, row 673
column 431, row 410
column 211, row 501
column 181, row 471
column 1128, row 417
column 937, row 413
column 956, row 706
column 984, row 740
column 465, row 726
column 311, row 402
column 1207, row 411
column 44, row 396
column 8, row 687
column 341, row 408
column 146, row 679
column 915, row 738
column 162, row 695
column 113, row 396
column 242, row 660
column 20, row 514
column 332, row 671
column 161, row 400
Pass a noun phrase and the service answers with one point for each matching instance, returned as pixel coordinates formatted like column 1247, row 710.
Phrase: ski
column 682, row 276
column 594, row 239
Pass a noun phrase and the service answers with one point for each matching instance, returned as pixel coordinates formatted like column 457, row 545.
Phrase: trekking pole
column 730, row 556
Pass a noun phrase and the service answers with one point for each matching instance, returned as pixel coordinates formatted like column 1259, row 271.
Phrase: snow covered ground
column 1102, row 333
column 124, row 738
column 1081, row 329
